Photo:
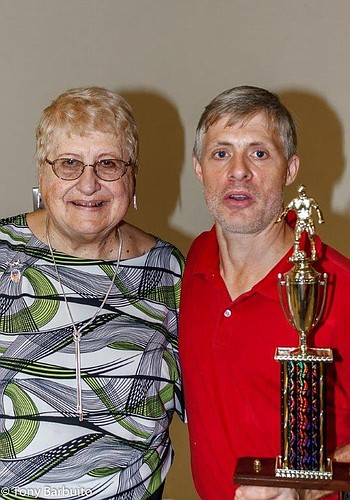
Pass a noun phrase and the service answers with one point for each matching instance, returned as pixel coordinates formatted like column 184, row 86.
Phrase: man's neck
column 245, row 259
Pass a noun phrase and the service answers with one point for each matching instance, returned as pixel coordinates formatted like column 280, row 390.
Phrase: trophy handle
column 324, row 284
column 281, row 286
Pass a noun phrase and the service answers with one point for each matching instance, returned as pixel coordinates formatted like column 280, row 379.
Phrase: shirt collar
column 207, row 263
column 268, row 286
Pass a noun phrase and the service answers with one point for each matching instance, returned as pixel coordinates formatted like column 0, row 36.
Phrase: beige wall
column 169, row 58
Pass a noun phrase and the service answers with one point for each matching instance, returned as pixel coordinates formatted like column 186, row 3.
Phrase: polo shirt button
column 227, row 313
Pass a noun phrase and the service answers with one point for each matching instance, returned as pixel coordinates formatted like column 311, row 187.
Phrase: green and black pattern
column 130, row 371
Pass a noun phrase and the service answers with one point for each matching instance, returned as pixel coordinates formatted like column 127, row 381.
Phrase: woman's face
column 86, row 209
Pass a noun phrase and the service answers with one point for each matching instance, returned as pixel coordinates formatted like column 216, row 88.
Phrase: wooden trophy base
column 261, row 472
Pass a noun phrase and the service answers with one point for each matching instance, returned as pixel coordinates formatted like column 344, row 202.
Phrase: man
column 231, row 318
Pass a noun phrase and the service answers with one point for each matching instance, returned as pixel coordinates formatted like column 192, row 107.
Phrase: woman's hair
column 83, row 110
column 239, row 105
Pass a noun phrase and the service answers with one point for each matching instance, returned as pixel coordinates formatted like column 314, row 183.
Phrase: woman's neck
column 103, row 246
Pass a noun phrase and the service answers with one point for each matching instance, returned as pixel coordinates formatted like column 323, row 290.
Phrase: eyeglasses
column 70, row 169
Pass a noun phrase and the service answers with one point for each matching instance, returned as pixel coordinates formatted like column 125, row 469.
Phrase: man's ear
column 292, row 169
column 197, row 169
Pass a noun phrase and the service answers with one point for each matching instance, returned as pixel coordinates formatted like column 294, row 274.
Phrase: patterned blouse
column 129, row 369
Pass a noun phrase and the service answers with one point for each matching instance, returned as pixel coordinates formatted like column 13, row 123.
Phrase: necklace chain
column 77, row 331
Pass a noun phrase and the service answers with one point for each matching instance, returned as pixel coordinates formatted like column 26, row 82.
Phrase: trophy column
column 303, row 422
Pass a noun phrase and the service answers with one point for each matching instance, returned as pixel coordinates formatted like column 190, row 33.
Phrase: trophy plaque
column 303, row 463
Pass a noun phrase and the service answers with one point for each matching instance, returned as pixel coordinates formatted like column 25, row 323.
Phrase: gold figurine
column 303, row 206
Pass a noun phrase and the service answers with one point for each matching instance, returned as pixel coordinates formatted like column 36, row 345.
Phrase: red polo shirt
column 231, row 380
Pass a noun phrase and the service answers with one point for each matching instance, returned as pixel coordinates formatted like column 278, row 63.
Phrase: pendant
column 15, row 274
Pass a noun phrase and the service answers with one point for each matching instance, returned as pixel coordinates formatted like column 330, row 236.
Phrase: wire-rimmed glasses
column 70, row 169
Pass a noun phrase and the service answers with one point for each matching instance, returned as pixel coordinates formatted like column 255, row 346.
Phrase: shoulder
column 15, row 228
column 14, row 231
column 19, row 220
column 136, row 242
column 202, row 259
column 204, row 243
column 160, row 253
column 336, row 261
column 167, row 255
column 204, row 239
column 337, row 267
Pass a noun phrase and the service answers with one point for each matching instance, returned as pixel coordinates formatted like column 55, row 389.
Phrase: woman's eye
column 70, row 162
column 107, row 163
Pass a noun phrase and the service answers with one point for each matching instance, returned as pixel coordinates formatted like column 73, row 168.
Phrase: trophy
column 303, row 463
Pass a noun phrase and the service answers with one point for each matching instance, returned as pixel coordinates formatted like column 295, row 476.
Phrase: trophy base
column 262, row 472
column 311, row 354
column 303, row 474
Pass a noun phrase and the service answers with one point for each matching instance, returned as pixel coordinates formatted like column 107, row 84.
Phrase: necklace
column 77, row 331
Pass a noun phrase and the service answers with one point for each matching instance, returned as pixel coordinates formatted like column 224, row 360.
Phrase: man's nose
column 239, row 167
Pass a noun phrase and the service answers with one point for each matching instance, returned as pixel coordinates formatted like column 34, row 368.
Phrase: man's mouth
column 238, row 197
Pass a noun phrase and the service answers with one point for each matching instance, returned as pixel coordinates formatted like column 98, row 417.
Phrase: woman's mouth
column 88, row 204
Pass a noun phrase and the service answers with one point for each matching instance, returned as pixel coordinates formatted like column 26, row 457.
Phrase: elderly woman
column 89, row 374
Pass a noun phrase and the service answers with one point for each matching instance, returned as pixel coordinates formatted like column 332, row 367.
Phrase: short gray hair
column 240, row 104
column 87, row 109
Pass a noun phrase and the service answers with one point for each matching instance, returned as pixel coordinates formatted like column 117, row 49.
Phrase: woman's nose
column 88, row 182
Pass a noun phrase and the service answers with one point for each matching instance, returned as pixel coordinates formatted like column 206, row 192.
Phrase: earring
column 135, row 201
column 37, row 201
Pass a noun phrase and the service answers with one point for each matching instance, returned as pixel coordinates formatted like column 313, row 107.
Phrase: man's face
column 243, row 171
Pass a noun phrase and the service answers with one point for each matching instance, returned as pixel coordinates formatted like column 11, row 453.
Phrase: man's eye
column 220, row 154
column 260, row 154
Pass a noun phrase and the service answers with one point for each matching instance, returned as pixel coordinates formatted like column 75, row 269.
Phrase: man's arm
column 262, row 493
column 342, row 454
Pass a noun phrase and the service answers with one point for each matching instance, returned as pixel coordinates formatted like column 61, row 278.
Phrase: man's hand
column 265, row 493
